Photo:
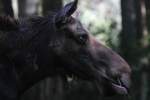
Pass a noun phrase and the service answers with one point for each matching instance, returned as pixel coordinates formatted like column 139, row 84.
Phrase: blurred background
column 123, row 25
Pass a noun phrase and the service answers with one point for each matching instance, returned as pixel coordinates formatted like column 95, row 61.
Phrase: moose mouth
column 110, row 86
column 115, row 86
column 119, row 87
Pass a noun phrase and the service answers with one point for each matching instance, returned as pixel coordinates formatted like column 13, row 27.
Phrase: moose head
column 87, row 58
column 58, row 43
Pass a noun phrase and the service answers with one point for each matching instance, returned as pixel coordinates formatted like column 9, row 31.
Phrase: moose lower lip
column 120, row 89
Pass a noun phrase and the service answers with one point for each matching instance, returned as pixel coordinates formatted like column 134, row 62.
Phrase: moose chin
column 57, row 44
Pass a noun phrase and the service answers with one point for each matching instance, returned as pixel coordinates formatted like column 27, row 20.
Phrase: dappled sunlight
column 102, row 20
column 15, row 7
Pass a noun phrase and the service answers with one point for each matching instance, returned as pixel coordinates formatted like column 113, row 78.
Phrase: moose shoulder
column 58, row 44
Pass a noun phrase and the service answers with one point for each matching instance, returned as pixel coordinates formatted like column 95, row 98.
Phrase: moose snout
column 120, row 74
column 114, row 70
column 121, row 70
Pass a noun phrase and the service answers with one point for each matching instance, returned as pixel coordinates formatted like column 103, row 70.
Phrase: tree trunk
column 147, row 3
column 28, row 8
column 1, row 11
column 128, row 34
column 7, row 8
column 21, row 8
column 51, row 5
column 134, row 44
column 128, row 39
column 144, row 86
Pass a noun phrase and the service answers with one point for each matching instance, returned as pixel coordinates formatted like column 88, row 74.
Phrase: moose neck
column 34, row 60
column 28, row 78
column 29, row 75
column 35, row 65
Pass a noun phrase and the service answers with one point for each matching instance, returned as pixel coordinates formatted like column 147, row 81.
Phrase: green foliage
column 101, row 20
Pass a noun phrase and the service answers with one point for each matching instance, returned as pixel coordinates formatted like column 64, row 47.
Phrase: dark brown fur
column 58, row 44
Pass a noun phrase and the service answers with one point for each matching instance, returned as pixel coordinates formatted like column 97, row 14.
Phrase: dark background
column 129, row 36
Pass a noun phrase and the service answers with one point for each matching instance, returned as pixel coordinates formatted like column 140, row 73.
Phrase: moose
column 57, row 44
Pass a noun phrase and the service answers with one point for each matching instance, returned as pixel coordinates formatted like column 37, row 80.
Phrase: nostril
column 124, row 85
column 119, row 81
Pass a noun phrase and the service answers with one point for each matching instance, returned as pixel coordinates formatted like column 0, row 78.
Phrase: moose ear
column 66, row 12
column 8, row 23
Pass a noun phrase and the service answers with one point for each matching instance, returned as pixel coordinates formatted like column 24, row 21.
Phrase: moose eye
column 83, row 38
